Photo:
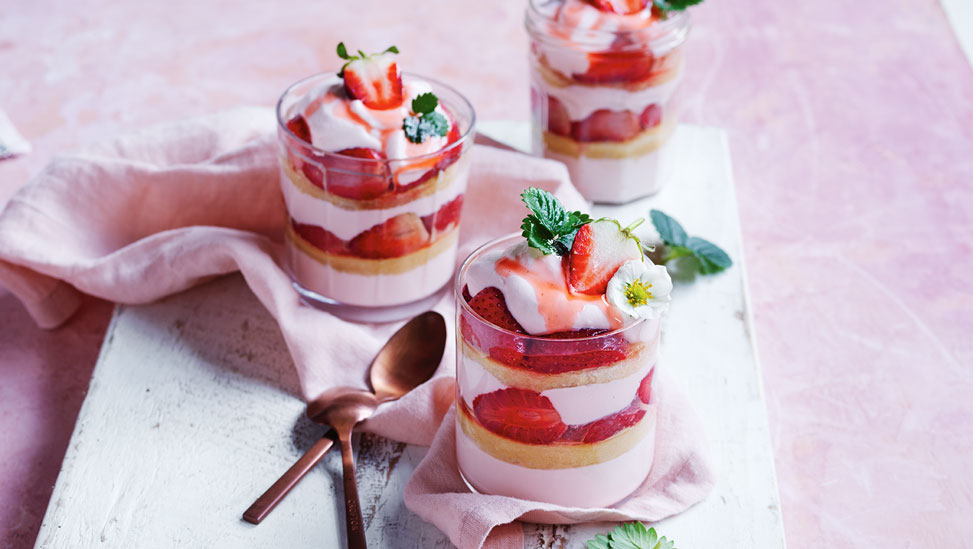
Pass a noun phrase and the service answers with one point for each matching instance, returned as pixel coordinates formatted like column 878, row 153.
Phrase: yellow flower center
column 638, row 293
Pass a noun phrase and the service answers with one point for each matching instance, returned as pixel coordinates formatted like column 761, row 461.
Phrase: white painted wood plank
column 182, row 427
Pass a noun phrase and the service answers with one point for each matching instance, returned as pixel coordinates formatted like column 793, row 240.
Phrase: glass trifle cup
column 372, row 225
column 604, row 94
column 566, row 418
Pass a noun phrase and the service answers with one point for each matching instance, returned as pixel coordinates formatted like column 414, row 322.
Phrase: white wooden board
column 182, row 429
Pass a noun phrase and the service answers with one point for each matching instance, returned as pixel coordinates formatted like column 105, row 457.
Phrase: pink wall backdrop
column 851, row 132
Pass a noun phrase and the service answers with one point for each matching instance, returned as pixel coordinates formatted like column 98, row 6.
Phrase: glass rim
column 459, row 299
column 352, row 160
column 676, row 27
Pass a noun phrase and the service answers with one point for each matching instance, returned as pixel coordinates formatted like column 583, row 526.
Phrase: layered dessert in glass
column 374, row 166
column 604, row 80
column 558, row 332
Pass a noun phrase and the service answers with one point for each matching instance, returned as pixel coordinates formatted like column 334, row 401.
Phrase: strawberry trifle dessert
column 558, row 332
column 373, row 171
column 604, row 78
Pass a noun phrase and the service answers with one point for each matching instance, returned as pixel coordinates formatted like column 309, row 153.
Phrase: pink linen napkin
column 154, row 213
column 680, row 477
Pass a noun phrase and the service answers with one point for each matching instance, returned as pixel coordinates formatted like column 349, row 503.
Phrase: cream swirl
column 537, row 294
column 337, row 122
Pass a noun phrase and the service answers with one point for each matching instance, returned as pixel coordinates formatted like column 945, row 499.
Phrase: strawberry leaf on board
column 711, row 258
column 632, row 535
column 672, row 233
column 550, row 228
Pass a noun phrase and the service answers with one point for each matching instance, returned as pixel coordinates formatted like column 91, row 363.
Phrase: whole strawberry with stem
column 373, row 79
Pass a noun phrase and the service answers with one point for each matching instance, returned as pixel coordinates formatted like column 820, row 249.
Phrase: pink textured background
column 851, row 132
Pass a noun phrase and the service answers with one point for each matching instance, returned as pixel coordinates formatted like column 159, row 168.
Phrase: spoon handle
column 355, row 533
column 270, row 499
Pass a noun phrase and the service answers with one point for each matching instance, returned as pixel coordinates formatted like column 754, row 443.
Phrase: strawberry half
column 606, row 427
column 356, row 179
column 599, row 249
column 606, row 125
column 519, row 414
column 617, row 66
column 395, row 237
column 373, row 79
column 644, row 391
column 621, row 7
column 299, row 127
column 490, row 305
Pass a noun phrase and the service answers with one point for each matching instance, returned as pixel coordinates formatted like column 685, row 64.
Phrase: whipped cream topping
column 537, row 294
column 581, row 27
column 337, row 122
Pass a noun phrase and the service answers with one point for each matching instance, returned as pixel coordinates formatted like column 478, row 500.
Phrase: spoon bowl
column 407, row 360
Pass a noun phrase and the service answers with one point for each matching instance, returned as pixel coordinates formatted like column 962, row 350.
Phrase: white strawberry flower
column 640, row 289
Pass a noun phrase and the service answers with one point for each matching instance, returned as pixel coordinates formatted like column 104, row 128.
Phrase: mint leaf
column 424, row 103
column 632, row 535
column 672, row 233
column 711, row 258
column 550, row 227
column 675, row 5
column 419, row 128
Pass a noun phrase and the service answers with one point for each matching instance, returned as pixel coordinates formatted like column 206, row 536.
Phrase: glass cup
column 372, row 240
column 564, row 421
column 604, row 102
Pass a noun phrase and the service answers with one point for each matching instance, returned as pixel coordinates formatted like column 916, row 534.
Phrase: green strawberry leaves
column 711, row 259
column 632, row 535
column 550, row 228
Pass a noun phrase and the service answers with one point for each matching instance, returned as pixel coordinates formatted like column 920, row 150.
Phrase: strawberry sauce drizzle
column 558, row 305
column 387, row 123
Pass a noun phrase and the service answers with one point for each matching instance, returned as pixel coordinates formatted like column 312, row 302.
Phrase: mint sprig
column 632, row 535
column 674, row 5
column 425, row 122
column 550, row 228
column 711, row 259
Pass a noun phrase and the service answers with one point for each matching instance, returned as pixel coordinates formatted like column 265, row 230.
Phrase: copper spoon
column 408, row 359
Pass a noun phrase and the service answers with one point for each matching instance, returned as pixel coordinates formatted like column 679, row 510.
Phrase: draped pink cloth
column 157, row 212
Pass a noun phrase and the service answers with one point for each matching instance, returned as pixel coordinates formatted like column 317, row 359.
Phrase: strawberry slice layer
column 556, row 363
column 519, row 414
column 606, row 427
column 395, row 237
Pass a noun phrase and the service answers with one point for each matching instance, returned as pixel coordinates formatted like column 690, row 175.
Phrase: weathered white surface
column 182, row 427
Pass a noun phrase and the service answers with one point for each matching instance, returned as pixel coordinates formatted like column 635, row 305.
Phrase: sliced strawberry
column 644, row 391
column 449, row 214
column 606, row 125
column 313, row 173
column 395, row 237
column 606, row 427
column 374, row 79
column 519, row 414
column 559, row 122
column 356, row 179
column 320, row 238
column 622, row 7
column 651, row 116
column 599, row 249
column 489, row 303
column 617, row 67
column 299, row 127
column 555, row 364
